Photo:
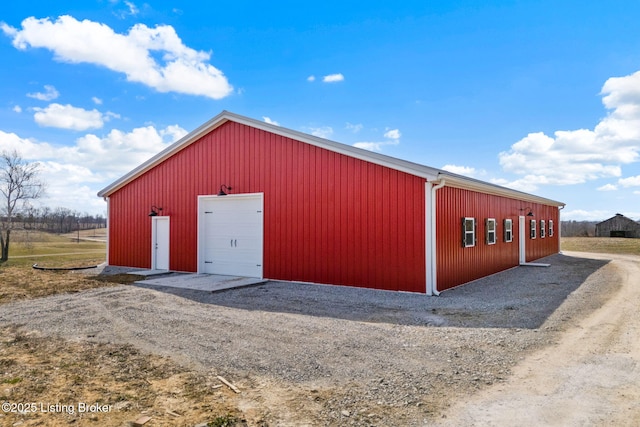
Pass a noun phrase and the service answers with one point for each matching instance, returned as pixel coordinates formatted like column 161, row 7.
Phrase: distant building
column 618, row 226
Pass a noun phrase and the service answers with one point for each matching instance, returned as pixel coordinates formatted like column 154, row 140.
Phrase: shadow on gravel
column 523, row 297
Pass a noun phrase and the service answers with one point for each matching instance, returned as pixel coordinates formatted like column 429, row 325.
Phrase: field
column 607, row 245
column 132, row 384
column 30, row 247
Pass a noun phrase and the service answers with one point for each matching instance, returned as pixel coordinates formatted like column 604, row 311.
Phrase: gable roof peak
column 428, row 173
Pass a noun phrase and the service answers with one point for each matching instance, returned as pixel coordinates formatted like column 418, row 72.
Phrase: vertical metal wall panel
column 329, row 218
column 458, row 265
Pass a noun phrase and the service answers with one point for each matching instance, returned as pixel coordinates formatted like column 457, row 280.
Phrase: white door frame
column 162, row 264
column 201, row 225
column 522, row 238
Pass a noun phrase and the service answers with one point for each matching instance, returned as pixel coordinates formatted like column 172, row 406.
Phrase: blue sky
column 541, row 96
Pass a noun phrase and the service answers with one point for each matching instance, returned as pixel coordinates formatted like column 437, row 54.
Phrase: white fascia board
column 411, row 168
column 466, row 183
column 426, row 172
column 401, row 165
column 164, row 154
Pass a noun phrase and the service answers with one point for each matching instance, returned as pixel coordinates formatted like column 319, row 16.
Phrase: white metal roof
column 426, row 172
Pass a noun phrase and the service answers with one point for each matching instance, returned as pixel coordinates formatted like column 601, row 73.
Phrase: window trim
column 466, row 232
column 532, row 229
column 508, row 230
column 491, row 236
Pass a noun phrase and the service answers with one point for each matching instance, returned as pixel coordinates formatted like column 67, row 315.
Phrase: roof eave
column 463, row 182
column 426, row 172
column 164, row 154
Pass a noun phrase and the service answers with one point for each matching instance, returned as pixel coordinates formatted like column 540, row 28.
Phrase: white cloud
column 632, row 181
column 172, row 133
column 607, row 187
column 577, row 156
column 393, row 138
column 70, row 117
column 271, row 122
column 133, row 10
column 354, row 128
column 28, row 148
column 50, row 93
column 17, row 109
column 96, row 100
column 333, row 78
column 528, row 184
column 322, row 131
column 393, row 134
column 583, row 215
column 371, row 146
column 182, row 69
column 311, row 78
column 460, row 170
column 74, row 174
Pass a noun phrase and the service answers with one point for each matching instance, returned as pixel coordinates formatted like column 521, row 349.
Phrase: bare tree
column 18, row 185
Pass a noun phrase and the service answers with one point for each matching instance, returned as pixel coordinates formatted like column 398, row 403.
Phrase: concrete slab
column 149, row 273
column 202, row 282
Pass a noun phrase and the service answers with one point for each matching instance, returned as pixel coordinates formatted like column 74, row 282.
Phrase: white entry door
column 231, row 235
column 160, row 243
column 522, row 240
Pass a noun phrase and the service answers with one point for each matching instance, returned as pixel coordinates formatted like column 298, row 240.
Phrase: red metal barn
column 305, row 209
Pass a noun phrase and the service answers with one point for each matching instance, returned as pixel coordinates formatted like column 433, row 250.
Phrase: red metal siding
column 329, row 218
column 542, row 246
column 456, row 264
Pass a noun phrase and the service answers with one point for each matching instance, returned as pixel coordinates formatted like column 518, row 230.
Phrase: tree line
column 20, row 184
column 58, row 220
column 578, row 228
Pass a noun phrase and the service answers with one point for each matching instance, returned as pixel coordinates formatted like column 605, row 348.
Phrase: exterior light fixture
column 154, row 211
column 530, row 213
column 222, row 192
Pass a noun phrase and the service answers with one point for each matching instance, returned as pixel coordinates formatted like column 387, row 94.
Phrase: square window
column 508, row 230
column 542, row 228
column 490, row 227
column 532, row 229
column 468, row 232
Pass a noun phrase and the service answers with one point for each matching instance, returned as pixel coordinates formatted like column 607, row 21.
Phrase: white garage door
column 231, row 235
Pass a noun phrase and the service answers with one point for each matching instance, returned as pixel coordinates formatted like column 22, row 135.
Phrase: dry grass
column 124, row 382
column 52, row 371
column 609, row 245
column 22, row 282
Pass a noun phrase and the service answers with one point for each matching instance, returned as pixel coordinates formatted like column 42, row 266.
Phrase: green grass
column 609, row 245
column 45, row 249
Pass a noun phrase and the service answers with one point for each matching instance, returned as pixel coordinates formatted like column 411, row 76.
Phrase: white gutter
column 432, row 266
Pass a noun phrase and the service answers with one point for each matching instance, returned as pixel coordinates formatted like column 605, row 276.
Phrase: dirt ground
column 590, row 376
column 54, row 382
column 563, row 352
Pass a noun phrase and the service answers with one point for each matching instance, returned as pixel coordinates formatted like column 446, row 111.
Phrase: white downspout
column 432, row 273
column 106, row 199
column 559, row 227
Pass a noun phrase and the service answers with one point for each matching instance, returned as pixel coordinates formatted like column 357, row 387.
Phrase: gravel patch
column 329, row 355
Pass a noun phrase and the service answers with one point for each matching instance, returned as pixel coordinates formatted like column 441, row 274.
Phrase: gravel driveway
column 328, row 355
